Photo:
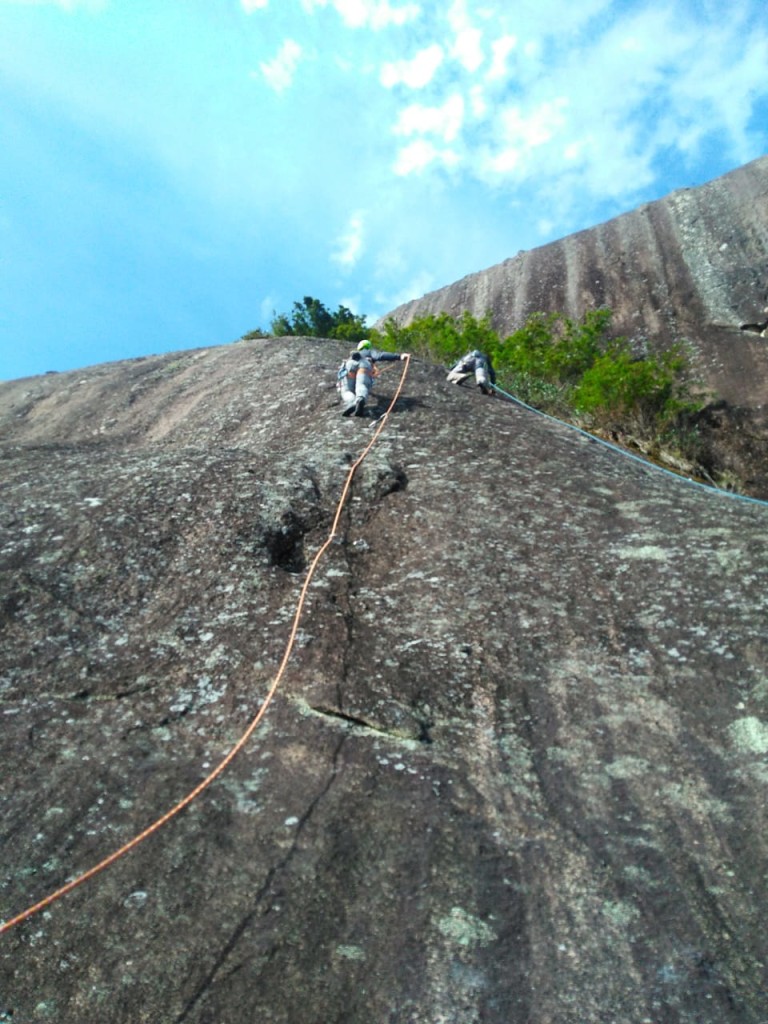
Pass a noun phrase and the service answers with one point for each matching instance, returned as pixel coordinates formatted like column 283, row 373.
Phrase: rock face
column 693, row 265
column 515, row 772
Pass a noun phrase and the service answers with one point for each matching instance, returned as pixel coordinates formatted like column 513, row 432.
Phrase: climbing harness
column 227, row 760
column 629, row 455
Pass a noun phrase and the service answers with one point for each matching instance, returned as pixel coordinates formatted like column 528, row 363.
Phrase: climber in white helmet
column 355, row 377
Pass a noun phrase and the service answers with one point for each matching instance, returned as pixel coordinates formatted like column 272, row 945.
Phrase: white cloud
column 415, row 73
column 515, row 139
column 418, row 155
column 652, row 84
column 578, row 106
column 249, row 6
column 545, row 226
column 501, row 49
column 477, row 101
column 279, row 72
column 526, row 131
column 352, row 304
column 349, row 245
column 445, row 121
column 467, row 44
column 574, row 151
column 726, row 93
column 267, row 310
column 467, row 48
column 419, row 285
column 375, row 14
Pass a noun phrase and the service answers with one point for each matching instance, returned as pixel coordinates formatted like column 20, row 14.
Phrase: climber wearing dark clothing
column 355, row 377
column 478, row 363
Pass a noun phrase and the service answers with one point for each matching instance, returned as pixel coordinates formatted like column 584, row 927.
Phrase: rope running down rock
column 253, row 725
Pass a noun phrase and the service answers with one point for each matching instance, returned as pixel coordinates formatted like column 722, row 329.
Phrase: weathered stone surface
column 515, row 773
column 691, row 266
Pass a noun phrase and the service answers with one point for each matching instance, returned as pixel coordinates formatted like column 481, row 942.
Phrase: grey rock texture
column 693, row 265
column 516, row 770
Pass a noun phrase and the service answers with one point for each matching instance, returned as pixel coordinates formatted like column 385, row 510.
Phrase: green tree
column 348, row 326
column 441, row 337
column 311, row 318
column 574, row 369
column 646, row 395
column 555, row 348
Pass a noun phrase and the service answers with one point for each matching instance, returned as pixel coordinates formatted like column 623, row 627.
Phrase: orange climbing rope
column 227, row 760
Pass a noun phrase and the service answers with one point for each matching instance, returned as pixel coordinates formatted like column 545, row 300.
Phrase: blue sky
column 175, row 172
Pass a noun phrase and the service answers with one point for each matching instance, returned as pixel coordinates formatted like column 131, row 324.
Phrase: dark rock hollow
column 516, row 770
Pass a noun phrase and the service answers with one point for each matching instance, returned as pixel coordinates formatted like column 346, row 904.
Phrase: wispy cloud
column 349, row 245
column 519, row 132
column 419, row 284
column 279, row 72
column 467, row 45
column 418, row 155
column 375, row 14
column 500, row 50
column 727, row 93
column 549, row 94
column 389, row 136
column 267, row 310
column 445, row 121
column 416, row 72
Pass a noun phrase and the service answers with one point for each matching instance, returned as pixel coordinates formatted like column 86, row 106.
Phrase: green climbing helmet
column 363, row 344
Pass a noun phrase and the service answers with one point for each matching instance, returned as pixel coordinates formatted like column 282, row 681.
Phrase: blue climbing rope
column 622, row 451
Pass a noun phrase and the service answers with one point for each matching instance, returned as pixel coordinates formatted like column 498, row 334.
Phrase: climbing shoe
column 360, row 407
column 348, row 409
